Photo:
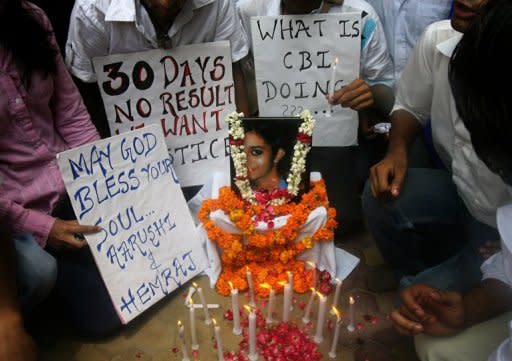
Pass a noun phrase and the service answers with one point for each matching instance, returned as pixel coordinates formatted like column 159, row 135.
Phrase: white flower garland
column 300, row 151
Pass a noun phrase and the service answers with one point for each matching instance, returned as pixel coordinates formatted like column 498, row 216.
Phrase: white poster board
column 187, row 91
column 149, row 245
column 293, row 59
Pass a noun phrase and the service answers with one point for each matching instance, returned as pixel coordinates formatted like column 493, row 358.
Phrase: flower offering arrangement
column 272, row 253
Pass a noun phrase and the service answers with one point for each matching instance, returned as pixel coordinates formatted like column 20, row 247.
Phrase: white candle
column 253, row 354
column 234, row 308
column 290, row 281
column 193, row 331
column 183, row 348
column 331, row 84
column 350, row 325
column 312, row 265
column 207, row 318
column 250, row 283
column 336, row 295
column 306, row 319
column 322, row 308
column 270, row 304
column 334, row 345
column 333, row 77
column 287, row 304
column 220, row 351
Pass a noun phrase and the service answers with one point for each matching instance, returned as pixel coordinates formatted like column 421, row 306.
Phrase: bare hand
column 387, row 177
column 69, row 234
column 356, row 95
column 428, row 310
column 489, row 248
column 15, row 342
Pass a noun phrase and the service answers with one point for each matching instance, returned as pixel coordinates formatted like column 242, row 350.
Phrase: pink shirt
column 35, row 125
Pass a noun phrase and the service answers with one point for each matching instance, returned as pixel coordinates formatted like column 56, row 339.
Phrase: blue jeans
column 427, row 235
column 36, row 271
column 76, row 281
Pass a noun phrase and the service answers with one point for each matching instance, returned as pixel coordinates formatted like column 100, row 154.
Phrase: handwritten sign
column 148, row 246
column 187, row 91
column 294, row 58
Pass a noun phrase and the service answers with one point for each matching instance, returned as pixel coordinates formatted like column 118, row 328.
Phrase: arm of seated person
column 359, row 95
column 69, row 234
column 94, row 104
column 15, row 342
column 443, row 313
column 387, row 177
column 242, row 99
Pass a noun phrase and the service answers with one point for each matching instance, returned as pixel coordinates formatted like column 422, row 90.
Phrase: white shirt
column 404, row 21
column 424, row 91
column 376, row 65
column 499, row 267
column 104, row 27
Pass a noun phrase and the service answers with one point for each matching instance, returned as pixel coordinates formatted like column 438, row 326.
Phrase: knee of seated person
column 430, row 348
column 98, row 328
column 371, row 206
column 43, row 278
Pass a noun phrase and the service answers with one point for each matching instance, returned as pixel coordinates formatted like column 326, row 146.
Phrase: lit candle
column 306, row 319
column 322, row 308
column 270, row 305
column 253, row 354
column 250, row 283
column 350, row 325
column 290, row 277
column 193, row 332
column 331, row 83
column 336, row 295
column 312, row 265
column 287, row 303
column 207, row 318
column 334, row 346
column 234, row 308
column 220, row 351
column 290, row 281
column 333, row 77
column 183, row 348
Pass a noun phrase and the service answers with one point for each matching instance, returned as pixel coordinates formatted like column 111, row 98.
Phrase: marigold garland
column 269, row 255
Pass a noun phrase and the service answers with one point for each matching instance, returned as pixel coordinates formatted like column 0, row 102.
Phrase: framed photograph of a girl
column 266, row 155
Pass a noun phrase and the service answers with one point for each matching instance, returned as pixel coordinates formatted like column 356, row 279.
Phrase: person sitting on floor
column 371, row 95
column 470, row 326
column 101, row 28
column 412, row 212
column 41, row 115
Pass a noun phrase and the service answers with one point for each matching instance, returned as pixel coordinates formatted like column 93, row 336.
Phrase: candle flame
column 351, row 300
column 248, row 308
column 339, row 281
column 247, row 269
column 282, row 283
column 319, row 295
column 336, row 312
column 195, row 285
column 312, row 264
column 336, row 61
column 191, row 301
column 313, row 289
column 179, row 323
column 214, row 322
column 230, row 284
column 265, row 285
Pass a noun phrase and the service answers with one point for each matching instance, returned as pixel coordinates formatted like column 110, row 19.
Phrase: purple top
column 35, row 125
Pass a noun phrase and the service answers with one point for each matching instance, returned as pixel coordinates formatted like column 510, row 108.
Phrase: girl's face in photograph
column 259, row 157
